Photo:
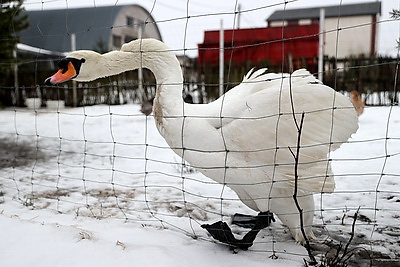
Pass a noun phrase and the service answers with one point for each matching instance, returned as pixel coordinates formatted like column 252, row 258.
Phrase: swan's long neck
column 144, row 53
column 157, row 57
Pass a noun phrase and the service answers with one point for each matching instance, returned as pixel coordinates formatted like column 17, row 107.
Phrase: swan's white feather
column 247, row 138
column 261, row 120
column 254, row 122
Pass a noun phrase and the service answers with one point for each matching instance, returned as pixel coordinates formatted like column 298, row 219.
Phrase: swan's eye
column 63, row 65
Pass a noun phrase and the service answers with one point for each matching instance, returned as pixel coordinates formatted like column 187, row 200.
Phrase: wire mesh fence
column 109, row 161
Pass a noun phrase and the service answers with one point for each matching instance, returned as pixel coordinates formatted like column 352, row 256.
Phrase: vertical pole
column 321, row 44
column 140, row 70
column 239, row 13
column 74, row 92
column 290, row 62
column 16, row 85
column 221, row 59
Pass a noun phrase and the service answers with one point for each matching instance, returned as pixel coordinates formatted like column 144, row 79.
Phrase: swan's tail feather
column 326, row 185
column 251, row 75
column 312, row 182
column 248, row 74
column 300, row 76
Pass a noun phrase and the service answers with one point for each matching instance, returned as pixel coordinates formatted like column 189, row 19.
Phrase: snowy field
column 98, row 186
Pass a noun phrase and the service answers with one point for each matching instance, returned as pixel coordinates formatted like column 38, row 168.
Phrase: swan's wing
column 264, row 125
column 260, row 80
column 231, row 103
column 253, row 82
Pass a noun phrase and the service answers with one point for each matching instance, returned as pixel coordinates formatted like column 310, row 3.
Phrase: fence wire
column 109, row 161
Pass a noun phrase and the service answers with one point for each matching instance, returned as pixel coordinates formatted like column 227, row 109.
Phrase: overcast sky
column 178, row 32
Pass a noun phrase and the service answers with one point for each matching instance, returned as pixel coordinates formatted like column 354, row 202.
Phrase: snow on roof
column 370, row 8
column 36, row 50
column 52, row 29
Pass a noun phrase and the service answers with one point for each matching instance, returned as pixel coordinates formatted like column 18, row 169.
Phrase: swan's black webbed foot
column 244, row 221
column 221, row 231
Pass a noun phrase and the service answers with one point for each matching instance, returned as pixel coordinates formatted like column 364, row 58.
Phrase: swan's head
column 86, row 65
column 78, row 65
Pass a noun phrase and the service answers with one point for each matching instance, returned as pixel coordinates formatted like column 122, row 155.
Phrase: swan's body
column 243, row 138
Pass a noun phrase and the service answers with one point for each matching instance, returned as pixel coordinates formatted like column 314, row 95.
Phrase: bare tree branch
column 296, row 179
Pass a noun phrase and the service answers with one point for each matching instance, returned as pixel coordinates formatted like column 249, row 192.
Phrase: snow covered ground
column 98, row 186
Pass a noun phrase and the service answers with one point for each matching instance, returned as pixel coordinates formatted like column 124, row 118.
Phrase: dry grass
column 17, row 154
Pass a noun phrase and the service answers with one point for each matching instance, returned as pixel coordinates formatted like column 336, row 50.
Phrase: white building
column 101, row 28
column 350, row 30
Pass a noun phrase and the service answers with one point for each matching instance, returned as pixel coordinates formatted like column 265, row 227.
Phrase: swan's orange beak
column 62, row 75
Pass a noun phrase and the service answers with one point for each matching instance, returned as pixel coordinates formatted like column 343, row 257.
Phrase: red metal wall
column 272, row 44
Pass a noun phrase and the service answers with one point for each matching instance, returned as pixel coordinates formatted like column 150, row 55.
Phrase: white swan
column 246, row 138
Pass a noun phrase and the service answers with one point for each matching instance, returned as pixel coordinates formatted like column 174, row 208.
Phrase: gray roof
column 51, row 29
column 370, row 8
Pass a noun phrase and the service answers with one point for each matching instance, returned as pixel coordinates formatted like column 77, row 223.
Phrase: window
column 278, row 23
column 130, row 22
column 116, row 40
column 129, row 38
column 315, row 21
column 305, row 21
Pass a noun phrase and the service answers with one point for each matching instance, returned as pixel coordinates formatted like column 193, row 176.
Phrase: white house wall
column 123, row 30
column 354, row 38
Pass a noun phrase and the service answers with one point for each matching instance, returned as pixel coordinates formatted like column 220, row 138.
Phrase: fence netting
column 95, row 155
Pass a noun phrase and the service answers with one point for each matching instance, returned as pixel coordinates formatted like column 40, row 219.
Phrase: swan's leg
column 221, row 231
column 290, row 216
column 245, row 221
column 263, row 220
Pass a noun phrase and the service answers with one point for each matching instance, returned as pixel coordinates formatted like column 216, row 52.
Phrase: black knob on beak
column 48, row 81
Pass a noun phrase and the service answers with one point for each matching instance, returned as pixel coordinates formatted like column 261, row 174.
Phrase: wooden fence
column 377, row 80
